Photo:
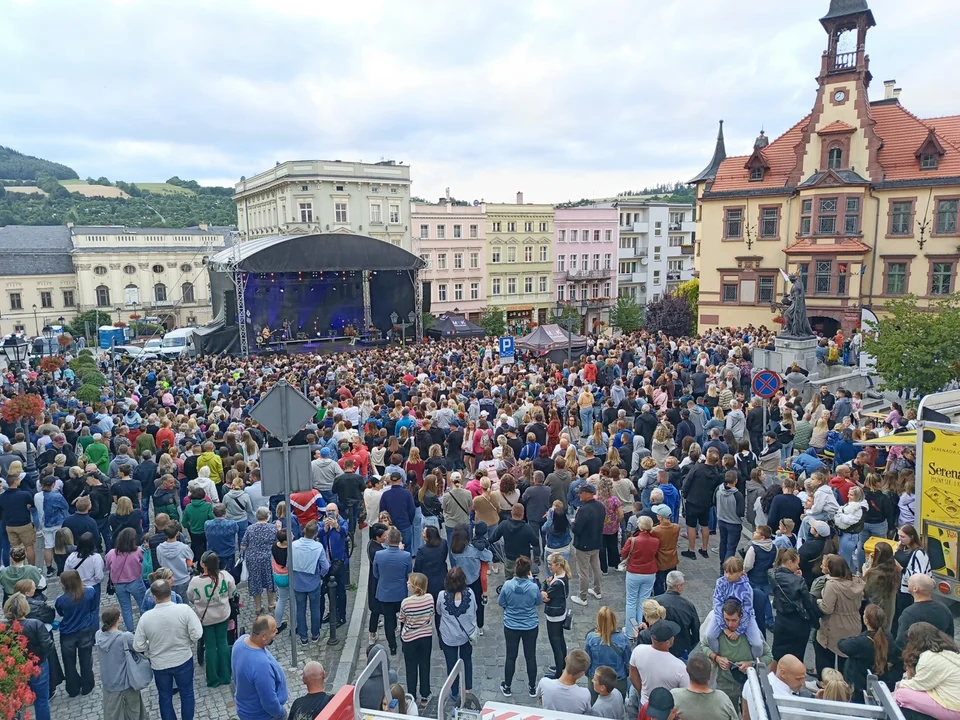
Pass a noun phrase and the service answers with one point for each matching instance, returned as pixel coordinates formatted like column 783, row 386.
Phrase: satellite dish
column 476, row 203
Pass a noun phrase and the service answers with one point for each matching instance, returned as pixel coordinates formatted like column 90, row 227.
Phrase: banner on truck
column 940, row 475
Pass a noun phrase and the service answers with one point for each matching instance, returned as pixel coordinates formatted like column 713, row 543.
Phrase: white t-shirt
column 554, row 695
column 778, row 685
column 658, row 669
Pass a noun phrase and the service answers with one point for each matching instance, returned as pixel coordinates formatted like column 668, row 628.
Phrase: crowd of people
column 467, row 482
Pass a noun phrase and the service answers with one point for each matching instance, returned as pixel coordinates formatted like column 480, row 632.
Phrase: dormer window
column 835, row 158
column 756, row 174
column 929, row 162
column 930, row 151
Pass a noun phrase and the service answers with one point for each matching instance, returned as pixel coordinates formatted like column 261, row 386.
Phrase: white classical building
column 303, row 197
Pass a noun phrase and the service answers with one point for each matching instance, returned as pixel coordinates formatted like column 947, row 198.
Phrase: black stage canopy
column 450, row 325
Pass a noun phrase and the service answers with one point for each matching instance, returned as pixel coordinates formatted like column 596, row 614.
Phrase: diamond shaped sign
column 283, row 411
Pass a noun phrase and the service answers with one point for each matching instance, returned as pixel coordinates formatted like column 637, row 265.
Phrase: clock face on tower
column 839, row 96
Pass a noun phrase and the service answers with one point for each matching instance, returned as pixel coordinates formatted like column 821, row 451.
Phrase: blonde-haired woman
column 606, row 645
column 571, row 457
column 416, row 634
column 555, row 594
column 663, row 444
column 818, row 438
column 598, row 441
column 486, row 508
column 249, row 446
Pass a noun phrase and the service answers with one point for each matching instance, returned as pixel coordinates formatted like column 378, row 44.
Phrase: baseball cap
column 663, row 630
column 588, row 488
column 823, row 530
column 660, row 704
column 771, row 434
column 662, row 510
column 325, row 452
column 455, row 476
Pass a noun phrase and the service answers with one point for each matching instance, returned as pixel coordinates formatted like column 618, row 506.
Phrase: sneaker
column 689, row 554
column 597, row 595
column 393, row 652
column 315, row 638
column 424, row 701
column 281, row 627
column 51, row 571
column 576, row 599
column 505, row 690
column 532, row 691
column 704, row 553
column 304, row 641
column 480, row 631
column 371, row 641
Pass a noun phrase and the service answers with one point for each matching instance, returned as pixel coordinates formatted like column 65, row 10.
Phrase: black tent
column 554, row 342
column 450, row 325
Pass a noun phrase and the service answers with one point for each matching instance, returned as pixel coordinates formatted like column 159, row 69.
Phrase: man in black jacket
column 519, row 538
column 698, row 490
column 755, row 428
column 348, row 488
column 146, row 474
column 682, row 612
column 924, row 609
column 645, row 424
column 587, row 540
column 98, row 490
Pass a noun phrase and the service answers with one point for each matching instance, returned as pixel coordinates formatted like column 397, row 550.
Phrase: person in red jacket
column 361, row 457
column 640, row 552
column 304, row 505
column 842, row 483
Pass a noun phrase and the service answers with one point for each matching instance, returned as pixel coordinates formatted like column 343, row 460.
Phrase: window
column 573, row 236
column 16, row 303
column 571, row 292
column 606, row 289
column 544, row 253
column 511, row 254
column 304, row 188
column 511, row 227
column 441, row 261
column 160, row 292
column 841, row 279
column 730, row 293
column 186, row 267
column 100, row 270
column 940, row 278
column 595, row 290
column 584, row 262
column 340, row 213
column 46, row 299
column 186, row 292
column 511, row 286
column 528, row 285
column 806, row 212
column 474, row 231
column 495, row 286
column 656, row 252
column 442, row 292
column 474, row 260
column 458, row 261
column 770, row 222
column 947, row 216
column 528, row 254
column 129, row 269
column 474, row 291
column 803, row 272
column 103, row 296
column 835, row 158
column 562, row 236
column 827, row 218
column 596, row 261
column 675, row 240
column 306, row 212
column 821, row 280
column 458, row 231
column 441, row 232
column 528, row 227
column 896, row 278
column 426, row 259
column 583, row 292
column 458, row 291
column 900, row 214
column 606, row 261
column 573, row 263
column 424, row 231
column 596, row 235
column 543, row 284
column 929, row 162
column 158, row 269
column 675, row 219
column 756, row 174
column 607, row 235
column 658, row 228
column 68, row 298
column 675, row 265
column 656, row 277
column 375, row 209
column 851, row 219
column 495, row 255
column 496, row 227
column 561, row 262
column 734, row 223
column 394, row 213
column 560, row 292
column 131, row 294
column 765, row 289
column 543, row 227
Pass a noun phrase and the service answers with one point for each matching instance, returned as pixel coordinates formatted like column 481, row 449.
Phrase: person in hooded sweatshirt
column 822, row 505
column 849, row 523
column 757, row 562
column 120, row 700
column 519, row 599
column 519, row 539
column 730, row 508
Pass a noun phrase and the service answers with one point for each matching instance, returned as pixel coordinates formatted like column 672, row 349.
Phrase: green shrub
column 78, row 365
column 88, row 393
column 86, row 352
column 92, row 376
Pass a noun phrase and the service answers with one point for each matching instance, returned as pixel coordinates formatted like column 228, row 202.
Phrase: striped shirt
column 416, row 615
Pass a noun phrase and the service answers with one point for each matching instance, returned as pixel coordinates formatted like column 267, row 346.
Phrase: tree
column 88, row 393
column 626, row 314
column 670, row 314
column 690, row 291
column 916, row 348
column 93, row 318
column 492, row 320
column 428, row 321
column 570, row 319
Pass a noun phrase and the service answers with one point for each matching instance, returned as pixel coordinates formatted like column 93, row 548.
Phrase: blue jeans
column 729, row 537
column 41, row 688
column 182, row 676
column 762, row 607
column 638, row 588
column 134, row 589
column 145, row 508
column 406, row 537
column 416, row 533
column 848, row 546
column 4, row 545
column 283, row 595
column 241, row 529
column 785, row 452
column 869, row 530
column 449, row 531
column 805, row 525
column 586, row 420
column 103, row 525
column 316, row 610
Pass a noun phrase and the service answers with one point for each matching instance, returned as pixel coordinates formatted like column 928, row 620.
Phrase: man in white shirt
column 167, row 636
column 652, row 666
column 789, row 679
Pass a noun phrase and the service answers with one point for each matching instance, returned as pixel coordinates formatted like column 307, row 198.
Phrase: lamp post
column 16, row 350
column 395, row 319
column 48, row 335
column 118, row 315
column 558, row 316
column 35, row 321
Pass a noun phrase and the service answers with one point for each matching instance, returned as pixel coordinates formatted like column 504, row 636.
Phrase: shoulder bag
column 139, row 672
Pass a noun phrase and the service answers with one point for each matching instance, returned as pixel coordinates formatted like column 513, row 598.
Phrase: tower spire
column 719, row 155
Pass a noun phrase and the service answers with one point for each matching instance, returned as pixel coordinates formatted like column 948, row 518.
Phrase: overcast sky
column 557, row 98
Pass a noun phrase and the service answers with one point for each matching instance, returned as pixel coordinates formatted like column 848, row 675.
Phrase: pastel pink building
column 585, row 261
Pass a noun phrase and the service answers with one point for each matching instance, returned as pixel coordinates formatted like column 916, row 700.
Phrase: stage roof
column 323, row 251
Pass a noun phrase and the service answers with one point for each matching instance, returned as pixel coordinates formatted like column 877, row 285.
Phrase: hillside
column 17, row 166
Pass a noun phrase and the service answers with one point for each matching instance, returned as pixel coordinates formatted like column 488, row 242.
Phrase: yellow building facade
column 859, row 198
column 520, row 261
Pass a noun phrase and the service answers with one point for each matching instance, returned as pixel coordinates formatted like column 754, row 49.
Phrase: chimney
column 519, row 198
column 896, row 94
column 204, row 226
column 888, row 89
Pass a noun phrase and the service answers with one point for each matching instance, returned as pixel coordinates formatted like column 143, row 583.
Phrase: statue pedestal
column 802, row 351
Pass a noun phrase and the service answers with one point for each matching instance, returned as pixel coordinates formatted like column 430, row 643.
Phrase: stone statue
column 798, row 326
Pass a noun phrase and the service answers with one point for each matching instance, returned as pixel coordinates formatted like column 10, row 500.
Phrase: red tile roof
column 780, row 154
column 947, row 127
column 849, row 246
column 902, row 134
column 837, row 126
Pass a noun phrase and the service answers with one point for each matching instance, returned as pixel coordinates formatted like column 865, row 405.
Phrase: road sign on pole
column 283, row 411
column 272, row 469
column 506, row 350
column 766, row 384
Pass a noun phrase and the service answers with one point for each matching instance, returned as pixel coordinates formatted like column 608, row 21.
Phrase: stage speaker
column 427, row 295
column 230, row 306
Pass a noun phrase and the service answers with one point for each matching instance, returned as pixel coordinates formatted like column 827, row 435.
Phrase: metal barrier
column 378, row 659
column 458, row 673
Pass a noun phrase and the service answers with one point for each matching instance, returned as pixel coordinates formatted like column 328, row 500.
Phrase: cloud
column 558, row 98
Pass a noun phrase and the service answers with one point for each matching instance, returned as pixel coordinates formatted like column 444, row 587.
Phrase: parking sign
column 506, row 350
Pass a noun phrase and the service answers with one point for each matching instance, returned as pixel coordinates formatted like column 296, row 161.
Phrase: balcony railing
column 674, row 227
column 845, row 61
column 686, row 249
column 588, row 274
column 673, row 275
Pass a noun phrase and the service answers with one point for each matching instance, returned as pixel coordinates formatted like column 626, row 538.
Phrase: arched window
column 835, row 158
column 103, row 296
column 130, row 269
column 100, row 270
column 160, row 292
column 187, row 290
column 131, row 294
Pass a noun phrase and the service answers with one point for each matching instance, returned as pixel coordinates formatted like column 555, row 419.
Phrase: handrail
column 378, row 659
column 457, row 673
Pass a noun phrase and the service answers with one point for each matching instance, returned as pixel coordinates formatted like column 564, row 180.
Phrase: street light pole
column 35, row 321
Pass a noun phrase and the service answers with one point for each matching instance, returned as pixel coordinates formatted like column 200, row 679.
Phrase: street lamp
column 49, row 334
column 118, row 315
column 558, row 316
column 16, row 350
column 35, row 321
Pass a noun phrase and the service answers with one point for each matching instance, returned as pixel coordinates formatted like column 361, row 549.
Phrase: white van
column 178, row 342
